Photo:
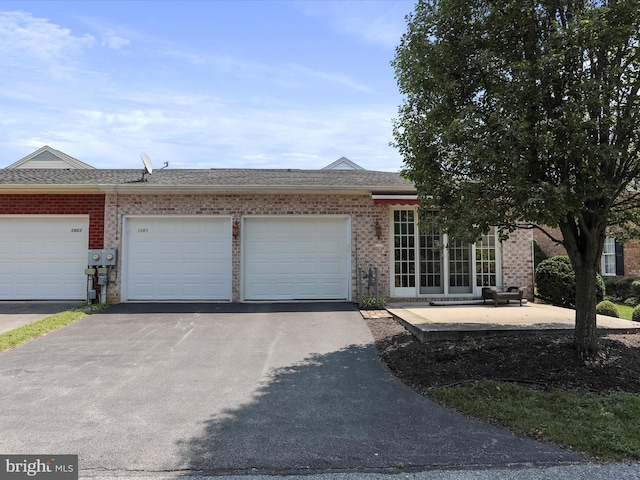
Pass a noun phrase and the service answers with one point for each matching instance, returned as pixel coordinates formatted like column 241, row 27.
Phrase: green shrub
column 607, row 308
column 371, row 302
column 635, row 316
column 631, row 301
column 556, row 282
column 619, row 289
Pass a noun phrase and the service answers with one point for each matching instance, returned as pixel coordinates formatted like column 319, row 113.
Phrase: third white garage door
column 296, row 258
column 177, row 258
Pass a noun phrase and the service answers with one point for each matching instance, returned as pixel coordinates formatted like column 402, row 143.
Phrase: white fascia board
column 142, row 188
column 157, row 189
column 11, row 188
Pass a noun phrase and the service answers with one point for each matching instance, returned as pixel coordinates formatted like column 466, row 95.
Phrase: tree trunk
column 586, row 338
column 584, row 241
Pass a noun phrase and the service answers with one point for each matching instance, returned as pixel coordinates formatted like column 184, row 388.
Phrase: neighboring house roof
column 203, row 180
column 343, row 163
column 47, row 157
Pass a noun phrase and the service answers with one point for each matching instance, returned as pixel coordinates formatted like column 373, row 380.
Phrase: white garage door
column 296, row 258
column 43, row 257
column 177, row 258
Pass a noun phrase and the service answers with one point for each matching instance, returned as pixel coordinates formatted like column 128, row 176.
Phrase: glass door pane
column 431, row 263
column 459, row 267
column 486, row 260
column 404, row 248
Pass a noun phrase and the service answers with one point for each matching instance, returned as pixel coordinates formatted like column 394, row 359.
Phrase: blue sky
column 201, row 84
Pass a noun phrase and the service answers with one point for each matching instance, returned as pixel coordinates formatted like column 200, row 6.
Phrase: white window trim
column 606, row 255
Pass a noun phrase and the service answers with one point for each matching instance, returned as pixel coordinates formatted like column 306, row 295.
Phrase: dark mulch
column 539, row 361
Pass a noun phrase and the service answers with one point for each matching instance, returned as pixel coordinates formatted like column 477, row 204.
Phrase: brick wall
column 632, row 259
column 547, row 245
column 517, row 261
column 60, row 204
column 366, row 249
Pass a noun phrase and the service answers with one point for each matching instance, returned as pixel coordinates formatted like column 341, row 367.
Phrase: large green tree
column 525, row 114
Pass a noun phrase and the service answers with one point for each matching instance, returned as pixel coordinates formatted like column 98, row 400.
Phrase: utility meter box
column 105, row 257
column 109, row 256
column 94, row 258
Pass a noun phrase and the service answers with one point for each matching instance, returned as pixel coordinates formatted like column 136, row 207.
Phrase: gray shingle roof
column 206, row 179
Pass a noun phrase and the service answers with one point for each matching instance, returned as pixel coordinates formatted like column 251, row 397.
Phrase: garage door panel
column 282, row 248
column 283, row 289
column 166, row 290
column 49, row 268
column 178, row 258
column 192, row 268
column 25, row 290
column 308, row 268
column 166, row 247
column 296, row 258
column 43, row 257
column 50, row 289
column 330, row 268
column 140, row 269
column 260, row 269
column 307, row 288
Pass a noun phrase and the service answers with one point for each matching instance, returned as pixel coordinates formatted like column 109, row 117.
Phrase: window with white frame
column 608, row 266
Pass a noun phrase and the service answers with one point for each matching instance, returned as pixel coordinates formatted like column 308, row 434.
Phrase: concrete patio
column 428, row 322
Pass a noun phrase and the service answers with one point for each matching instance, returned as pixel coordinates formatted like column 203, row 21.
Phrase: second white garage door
column 177, row 258
column 296, row 258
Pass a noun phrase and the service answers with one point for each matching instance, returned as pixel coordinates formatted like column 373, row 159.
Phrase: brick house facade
column 366, row 249
column 234, row 204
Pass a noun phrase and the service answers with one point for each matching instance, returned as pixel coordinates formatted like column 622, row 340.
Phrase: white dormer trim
column 64, row 160
column 343, row 163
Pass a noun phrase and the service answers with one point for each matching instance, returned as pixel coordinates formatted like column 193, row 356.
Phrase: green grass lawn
column 604, row 427
column 48, row 324
column 625, row 311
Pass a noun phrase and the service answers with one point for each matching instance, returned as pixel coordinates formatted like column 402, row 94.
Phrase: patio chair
column 512, row 293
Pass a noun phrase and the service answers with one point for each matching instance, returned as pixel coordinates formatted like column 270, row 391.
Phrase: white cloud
column 113, row 41
column 332, row 78
column 284, row 74
column 218, row 134
column 24, row 37
column 374, row 22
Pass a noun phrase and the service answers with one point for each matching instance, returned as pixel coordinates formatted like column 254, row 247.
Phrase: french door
column 430, row 263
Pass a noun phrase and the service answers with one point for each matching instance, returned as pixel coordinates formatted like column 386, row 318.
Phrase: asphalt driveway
column 284, row 387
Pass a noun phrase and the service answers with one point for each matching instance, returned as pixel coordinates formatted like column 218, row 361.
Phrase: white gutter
column 145, row 188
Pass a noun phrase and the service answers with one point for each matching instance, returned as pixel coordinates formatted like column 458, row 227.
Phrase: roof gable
column 47, row 157
column 343, row 163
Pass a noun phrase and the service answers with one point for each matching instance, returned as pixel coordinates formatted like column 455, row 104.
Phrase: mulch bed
column 547, row 362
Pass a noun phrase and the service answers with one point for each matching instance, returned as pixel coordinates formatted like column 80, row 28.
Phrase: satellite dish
column 147, row 163
column 148, row 168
